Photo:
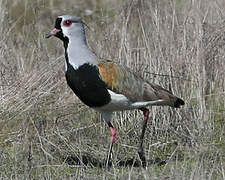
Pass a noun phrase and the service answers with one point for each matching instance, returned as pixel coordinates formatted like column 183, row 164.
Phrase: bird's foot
column 142, row 156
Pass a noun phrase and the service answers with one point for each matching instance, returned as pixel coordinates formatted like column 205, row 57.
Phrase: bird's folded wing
column 122, row 80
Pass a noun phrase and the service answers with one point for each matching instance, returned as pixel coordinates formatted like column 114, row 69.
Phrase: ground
column 47, row 133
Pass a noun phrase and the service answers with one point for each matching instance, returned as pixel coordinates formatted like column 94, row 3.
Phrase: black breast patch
column 87, row 85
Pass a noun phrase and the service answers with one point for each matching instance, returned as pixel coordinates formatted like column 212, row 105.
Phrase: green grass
column 47, row 133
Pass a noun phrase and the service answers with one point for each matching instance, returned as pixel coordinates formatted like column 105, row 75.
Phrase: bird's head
column 67, row 26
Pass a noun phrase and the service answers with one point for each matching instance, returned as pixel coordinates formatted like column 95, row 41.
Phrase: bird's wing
column 122, row 80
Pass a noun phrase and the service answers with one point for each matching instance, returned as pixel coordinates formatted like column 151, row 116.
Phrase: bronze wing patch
column 109, row 74
column 121, row 80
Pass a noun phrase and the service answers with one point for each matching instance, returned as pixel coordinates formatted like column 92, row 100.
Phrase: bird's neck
column 78, row 53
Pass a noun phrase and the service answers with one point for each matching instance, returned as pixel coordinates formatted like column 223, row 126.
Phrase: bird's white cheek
column 65, row 31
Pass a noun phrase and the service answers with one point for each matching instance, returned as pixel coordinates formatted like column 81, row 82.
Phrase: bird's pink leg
column 112, row 134
column 140, row 149
column 113, row 137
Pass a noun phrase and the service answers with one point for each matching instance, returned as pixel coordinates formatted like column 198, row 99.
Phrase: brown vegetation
column 47, row 133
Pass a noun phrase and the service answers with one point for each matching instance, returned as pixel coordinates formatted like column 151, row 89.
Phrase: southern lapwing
column 104, row 85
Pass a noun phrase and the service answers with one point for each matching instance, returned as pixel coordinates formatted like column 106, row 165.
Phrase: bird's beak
column 52, row 33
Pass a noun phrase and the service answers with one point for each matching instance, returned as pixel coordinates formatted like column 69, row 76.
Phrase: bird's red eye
column 67, row 23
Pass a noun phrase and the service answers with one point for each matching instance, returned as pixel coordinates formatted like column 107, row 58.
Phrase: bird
column 104, row 85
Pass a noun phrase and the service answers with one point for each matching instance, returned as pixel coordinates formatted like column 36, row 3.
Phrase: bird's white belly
column 119, row 102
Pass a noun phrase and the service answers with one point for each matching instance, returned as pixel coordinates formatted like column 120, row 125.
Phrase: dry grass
column 46, row 133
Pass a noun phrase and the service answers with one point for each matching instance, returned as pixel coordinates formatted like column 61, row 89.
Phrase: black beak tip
column 48, row 36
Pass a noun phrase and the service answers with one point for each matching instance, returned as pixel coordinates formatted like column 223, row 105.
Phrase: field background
column 47, row 133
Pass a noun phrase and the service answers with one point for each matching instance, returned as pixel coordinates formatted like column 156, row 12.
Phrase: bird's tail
column 179, row 102
column 155, row 92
